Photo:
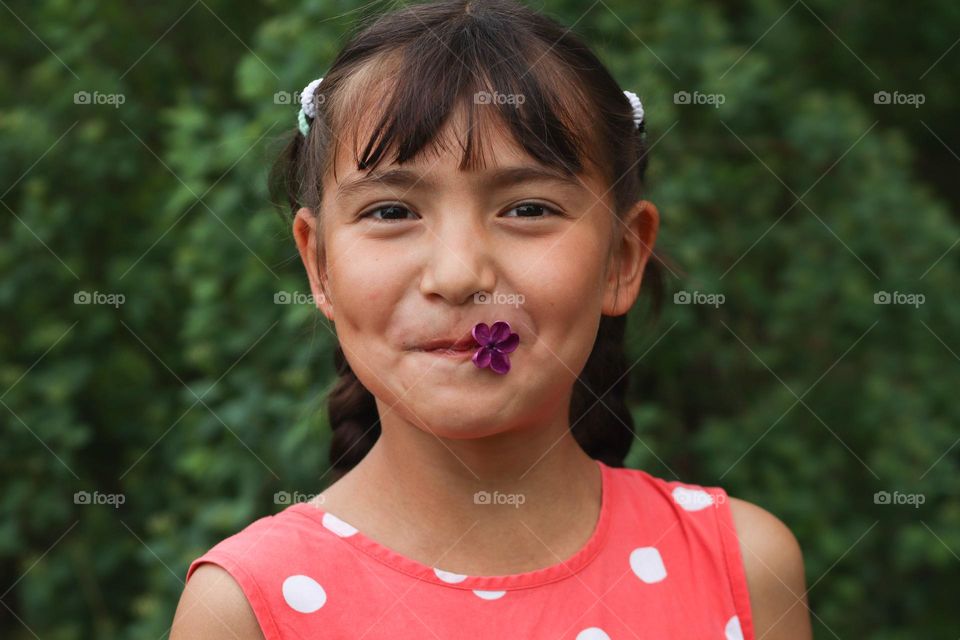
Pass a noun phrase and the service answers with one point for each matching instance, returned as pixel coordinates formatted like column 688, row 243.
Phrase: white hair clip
column 308, row 106
column 637, row 107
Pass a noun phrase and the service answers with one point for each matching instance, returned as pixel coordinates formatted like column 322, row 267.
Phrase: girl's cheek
column 367, row 280
column 562, row 275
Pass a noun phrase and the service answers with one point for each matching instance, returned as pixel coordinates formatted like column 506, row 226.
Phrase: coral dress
column 663, row 562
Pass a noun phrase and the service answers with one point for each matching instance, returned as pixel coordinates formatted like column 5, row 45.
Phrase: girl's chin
column 473, row 430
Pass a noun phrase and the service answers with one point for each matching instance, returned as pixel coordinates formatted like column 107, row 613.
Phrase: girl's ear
column 629, row 259
column 305, row 234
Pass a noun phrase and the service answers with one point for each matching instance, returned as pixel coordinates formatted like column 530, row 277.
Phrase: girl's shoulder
column 659, row 496
column 758, row 546
column 773, row 563
column 271, row 543
column 214, row 607
column 266, row 561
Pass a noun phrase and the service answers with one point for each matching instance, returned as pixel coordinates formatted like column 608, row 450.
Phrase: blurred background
column 161, row 377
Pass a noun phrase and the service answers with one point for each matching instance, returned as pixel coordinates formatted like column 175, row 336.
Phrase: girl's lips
column 450, row 353
column 464, row 342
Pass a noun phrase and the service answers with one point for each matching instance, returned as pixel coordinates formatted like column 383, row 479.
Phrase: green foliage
column 798, row 198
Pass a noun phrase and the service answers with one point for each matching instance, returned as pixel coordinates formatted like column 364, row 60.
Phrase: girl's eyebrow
column 495, row 179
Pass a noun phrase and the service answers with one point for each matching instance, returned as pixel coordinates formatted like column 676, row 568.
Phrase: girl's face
column 406, row 256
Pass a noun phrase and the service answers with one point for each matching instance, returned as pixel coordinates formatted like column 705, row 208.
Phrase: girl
column 465, row 184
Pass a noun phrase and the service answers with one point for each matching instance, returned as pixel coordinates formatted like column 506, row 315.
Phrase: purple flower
column 495, row 343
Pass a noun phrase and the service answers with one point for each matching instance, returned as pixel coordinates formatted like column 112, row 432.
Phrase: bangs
column 402, row 101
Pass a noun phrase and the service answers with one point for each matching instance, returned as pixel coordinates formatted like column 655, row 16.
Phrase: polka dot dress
column 663, row 562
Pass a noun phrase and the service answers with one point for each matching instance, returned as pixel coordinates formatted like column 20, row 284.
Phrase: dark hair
column 573, row 112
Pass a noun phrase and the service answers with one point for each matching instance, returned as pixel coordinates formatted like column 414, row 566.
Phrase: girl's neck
column 538, row 503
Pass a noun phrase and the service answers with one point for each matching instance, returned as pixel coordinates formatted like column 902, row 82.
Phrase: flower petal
column 499, row 362
column 499, row 331
column 482, row 357
column 509, row 344
column 481, row 333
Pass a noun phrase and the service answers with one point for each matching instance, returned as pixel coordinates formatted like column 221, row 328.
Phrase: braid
column 599, row 414
column 602, row 423
column 354, row 420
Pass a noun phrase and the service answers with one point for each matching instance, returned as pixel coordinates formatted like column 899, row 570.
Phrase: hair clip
column 495, row 343
column 308, row 106
column 637, row 107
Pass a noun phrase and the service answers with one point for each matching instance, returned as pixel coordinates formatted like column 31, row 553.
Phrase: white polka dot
column 692, row 499
column 303, row 594
column 338, row 526
column 593, row 633
column 647, row 564
column 733, row 631
column 489, row 595
column 452, row 578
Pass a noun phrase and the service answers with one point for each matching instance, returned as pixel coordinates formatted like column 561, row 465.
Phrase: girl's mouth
column 451, row 352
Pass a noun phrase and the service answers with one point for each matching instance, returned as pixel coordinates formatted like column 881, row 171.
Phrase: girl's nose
column 458, row 263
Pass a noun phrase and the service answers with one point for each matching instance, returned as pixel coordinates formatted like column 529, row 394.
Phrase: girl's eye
column 531, row 210
column 391, row 213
